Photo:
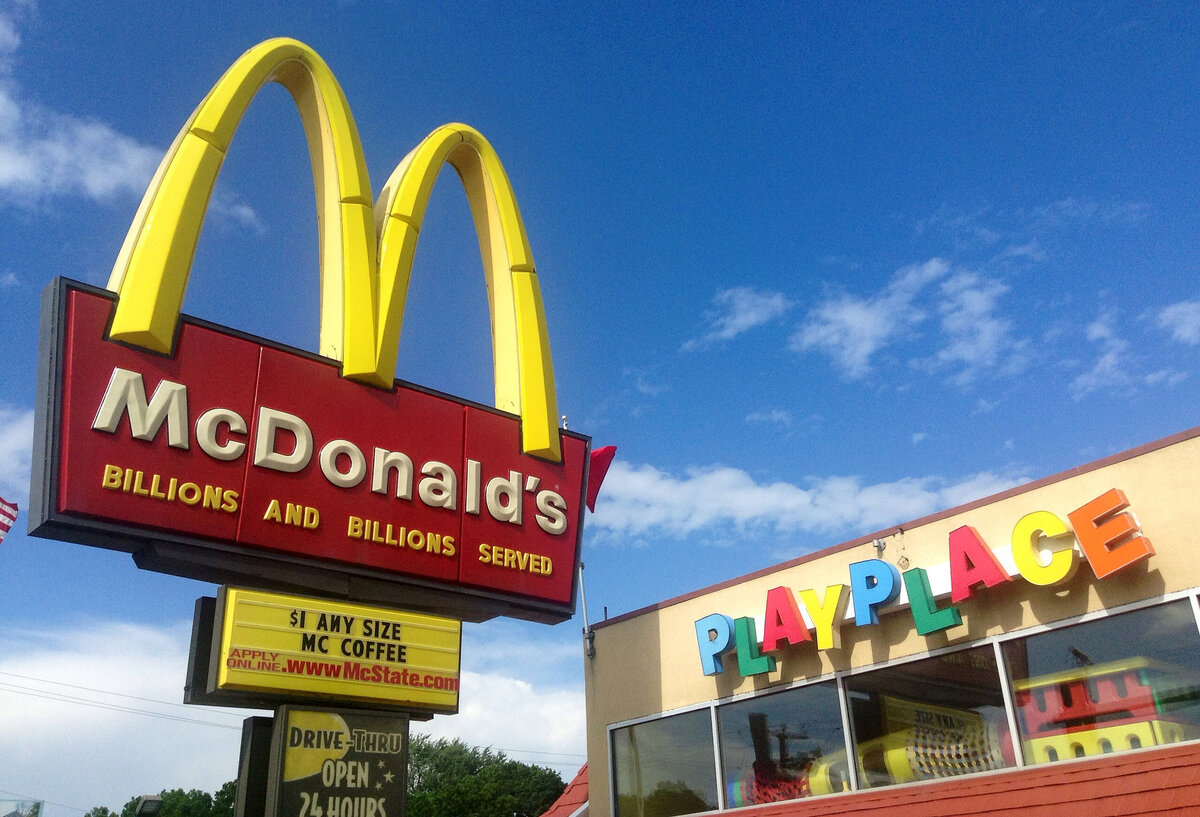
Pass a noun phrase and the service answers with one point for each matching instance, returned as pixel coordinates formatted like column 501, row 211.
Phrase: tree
column 180, row 803
column 448, row 778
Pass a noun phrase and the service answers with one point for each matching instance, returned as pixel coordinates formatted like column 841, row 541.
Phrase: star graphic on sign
column 381, row 764
column 389, row 777
column 378, row 786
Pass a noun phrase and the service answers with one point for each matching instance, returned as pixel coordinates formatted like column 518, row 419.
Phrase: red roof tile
column 573, row 799
column 1153, row 782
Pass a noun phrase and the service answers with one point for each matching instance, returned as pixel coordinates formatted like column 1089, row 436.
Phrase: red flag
column 601, row 459
column 8, row 516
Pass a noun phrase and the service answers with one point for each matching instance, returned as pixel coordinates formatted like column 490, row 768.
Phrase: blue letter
column 873, row 583
column 714, row 636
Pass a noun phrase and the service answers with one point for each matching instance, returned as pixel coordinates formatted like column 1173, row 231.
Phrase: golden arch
column 365, row 258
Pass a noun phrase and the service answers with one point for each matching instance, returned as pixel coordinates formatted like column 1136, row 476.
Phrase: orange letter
column 1111, row 540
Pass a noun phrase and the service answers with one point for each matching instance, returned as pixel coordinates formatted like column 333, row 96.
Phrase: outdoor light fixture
column 148, row 805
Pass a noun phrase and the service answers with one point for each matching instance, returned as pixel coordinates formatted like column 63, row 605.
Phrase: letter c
column 1028, row 551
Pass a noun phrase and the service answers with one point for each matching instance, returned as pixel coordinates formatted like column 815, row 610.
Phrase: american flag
column 8, row 515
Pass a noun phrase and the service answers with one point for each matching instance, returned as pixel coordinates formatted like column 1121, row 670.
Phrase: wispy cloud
column 1117, row 369
column 780, row 417
column 644, row 501
column 1083, row 210
column 43, row 154
column 851, row 329
column 47, row 154
column 16, row 446
column 1031, row 251
column 739, row 310
column 976, row 337
column 1110, row 371
column 1182, row 320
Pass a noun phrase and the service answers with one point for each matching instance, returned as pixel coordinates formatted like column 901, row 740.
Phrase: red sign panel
column 233, row 447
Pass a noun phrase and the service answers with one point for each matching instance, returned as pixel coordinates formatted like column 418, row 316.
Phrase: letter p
column 873, row 583
column 714, row 637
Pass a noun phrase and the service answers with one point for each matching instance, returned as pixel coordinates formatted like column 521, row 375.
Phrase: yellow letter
column 827, row 615
column 1027, row 537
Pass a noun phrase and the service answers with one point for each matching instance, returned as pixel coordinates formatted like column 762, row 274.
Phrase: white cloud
column 94, row 700
column 739, row 310
column 639, row 501
column 101, row 700
column 1110, row 371
column 46, row 153
column 851, row 329
column 779, row 417
column 976, row 338
column 16, row 453
column 529, row 722
column 1182, row 320
column 1030, row 250
column 1168, row 377
column 1084, row 210
column 919, row 437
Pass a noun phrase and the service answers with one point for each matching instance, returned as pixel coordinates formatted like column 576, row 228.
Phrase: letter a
column 783, row 621
column 971, row 563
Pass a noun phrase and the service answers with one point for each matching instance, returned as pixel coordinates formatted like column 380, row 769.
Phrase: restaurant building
column 1034, row 652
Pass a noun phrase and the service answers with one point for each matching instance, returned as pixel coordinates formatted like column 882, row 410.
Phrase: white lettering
column 504, row 498
column 206, row 434
column 329, row 456
column 266, row 455
column 553, row 516
column 126, row 394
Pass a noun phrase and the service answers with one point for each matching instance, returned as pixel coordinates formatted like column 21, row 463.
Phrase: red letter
column 972, row 562
column 783, row 621
column 1111, row 540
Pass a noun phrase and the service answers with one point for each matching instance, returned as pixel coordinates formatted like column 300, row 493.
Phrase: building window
column 782, row 746
column 1117, row 683
column 934, row 718
column 665, row 767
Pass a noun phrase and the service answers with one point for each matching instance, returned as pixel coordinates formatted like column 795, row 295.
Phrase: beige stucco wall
column 647, row 662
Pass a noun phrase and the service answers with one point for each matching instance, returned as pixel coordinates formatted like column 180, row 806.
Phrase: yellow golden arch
column 366, row 252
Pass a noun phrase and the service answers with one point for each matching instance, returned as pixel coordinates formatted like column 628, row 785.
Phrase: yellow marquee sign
column 274, row 643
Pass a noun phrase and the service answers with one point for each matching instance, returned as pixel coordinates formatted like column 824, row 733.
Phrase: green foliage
column 448, row 778
column 180, row 803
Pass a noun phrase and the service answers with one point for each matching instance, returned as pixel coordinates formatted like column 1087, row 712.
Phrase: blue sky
column 815, row 268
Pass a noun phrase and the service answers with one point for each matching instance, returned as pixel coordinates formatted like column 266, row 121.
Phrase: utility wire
column 213, row 710
column 58, row 696
column 71, row 699
column 24, row 798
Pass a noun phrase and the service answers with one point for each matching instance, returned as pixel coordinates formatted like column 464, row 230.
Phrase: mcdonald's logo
column 214, row 454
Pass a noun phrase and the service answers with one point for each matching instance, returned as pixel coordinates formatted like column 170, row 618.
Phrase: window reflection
column 1118, row 683
column 783, row 746
column 929, row 719
column 665, row 767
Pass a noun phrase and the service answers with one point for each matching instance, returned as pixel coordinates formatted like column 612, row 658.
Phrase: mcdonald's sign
column 213, row 454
